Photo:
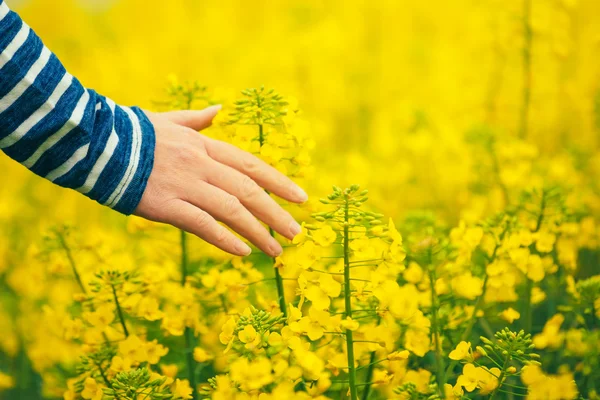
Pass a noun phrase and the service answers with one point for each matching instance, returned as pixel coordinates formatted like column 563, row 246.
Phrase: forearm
column 64, row 132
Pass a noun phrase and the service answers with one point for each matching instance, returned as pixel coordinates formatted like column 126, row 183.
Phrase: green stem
column 73, row 265
column 348, row 306
column 370, row 369
column 184, row 257
column 526, row 95
column 439, row 360
column 278, row 278
column 478, row 306
column 188, row 333
column 67, row 249
column 527, row 306
column 279, row 284
column 104, row 378
column 467, row 332
column 527, row 311
column 119, row 311
column 502, row 373
column 496, row 166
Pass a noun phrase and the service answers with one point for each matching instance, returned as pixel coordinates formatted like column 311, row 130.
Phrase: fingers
column 261, row 172
column 193, row 119
column 228, row 209
column 253, row 197
column 191, row 219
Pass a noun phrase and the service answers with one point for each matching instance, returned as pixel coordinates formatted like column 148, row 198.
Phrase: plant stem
column 527, row 306
column 104, row 378
column 67, row 249
column 188, row 333
column 348, row 306
column 279, row 284
column 278, row 278
column 496, row 166
column 502, row 373
column 439, row 360
column 526, row 96
column 478, row 305
column 370, row 369
column 119, row 311
column 527, row 317
column 73, row 265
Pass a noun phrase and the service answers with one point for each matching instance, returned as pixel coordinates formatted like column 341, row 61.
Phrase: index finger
column 261, row 172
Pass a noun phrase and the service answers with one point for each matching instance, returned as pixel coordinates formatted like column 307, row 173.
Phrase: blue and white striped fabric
column 64, row 132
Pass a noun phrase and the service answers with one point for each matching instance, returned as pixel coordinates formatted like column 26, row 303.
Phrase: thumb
column 194, row 119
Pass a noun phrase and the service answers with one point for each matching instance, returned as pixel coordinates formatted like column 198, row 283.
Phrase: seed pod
column 481, row 351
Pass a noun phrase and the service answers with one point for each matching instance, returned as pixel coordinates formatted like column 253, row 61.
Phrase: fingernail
column 275, row 248
column 295, row 228
column 301, row 194
column 242, row 248
column 216, row 107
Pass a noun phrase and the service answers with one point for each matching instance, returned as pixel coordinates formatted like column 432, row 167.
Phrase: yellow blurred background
column 391, row 87
column 425, row 103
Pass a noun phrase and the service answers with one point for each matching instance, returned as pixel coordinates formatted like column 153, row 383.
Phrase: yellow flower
column 92, row 390
column 420, row 378
column 398, row 355
column 169, row 370
column 467, row 286
column 324, row 236
column 181, row 389
column 227, row 329
column 248, row 334
column 550, row 335
column 311, row 364
column 173, row 324
column 317, row 296
column 311, row 326
column 249, row 337
column 510, row 315
column 201, row 355
column 6, row 381
column 413, row 273
column 535, row 268
column 155, row 351
column 488, row 379
column 545, row 241
column 72, row 328
column 302, row 236
column 148, row 308
column 271, row 154
column 417, row 341
column 461, row 352
column 133, row 348
column 307, row 254
column 393, row 232
column 478, row 377
column 286, row 337
column 349, row 324
column 469, row 378
column 252, row 375
column 453, row 392
column 101, row 317
column 120, row 364
column 329, row 285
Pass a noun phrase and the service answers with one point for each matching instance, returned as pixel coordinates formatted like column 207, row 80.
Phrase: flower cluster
column 358, row 306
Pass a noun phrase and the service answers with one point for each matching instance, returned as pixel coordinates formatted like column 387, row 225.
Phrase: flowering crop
column 464, row 265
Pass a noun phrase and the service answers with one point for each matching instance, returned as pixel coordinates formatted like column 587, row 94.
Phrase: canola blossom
column 463, row 266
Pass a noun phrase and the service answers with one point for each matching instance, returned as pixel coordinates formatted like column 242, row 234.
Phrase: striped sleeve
column 64, row 132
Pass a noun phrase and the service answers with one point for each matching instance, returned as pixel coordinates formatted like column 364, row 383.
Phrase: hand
column 197, row 180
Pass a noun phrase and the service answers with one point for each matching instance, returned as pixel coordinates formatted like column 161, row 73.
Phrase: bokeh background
column 391, row 87
column 450, row 107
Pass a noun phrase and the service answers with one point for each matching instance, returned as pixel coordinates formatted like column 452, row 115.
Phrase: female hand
column 197, row 181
